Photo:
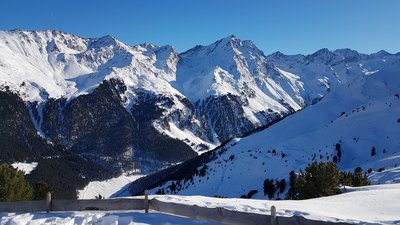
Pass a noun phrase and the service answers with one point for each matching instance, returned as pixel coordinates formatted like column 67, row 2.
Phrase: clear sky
column 290, row 26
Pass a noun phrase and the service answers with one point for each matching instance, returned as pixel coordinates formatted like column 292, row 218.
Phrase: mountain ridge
column 152, row 100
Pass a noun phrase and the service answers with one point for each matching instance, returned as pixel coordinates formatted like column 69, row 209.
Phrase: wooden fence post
column 273, row 215
column 146, row 199
column 48, row 201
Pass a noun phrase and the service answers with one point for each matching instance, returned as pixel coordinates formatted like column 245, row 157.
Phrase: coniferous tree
column 203, row 170
column 356, row 179
column 346, row 179
column 40, row 190
column 373, row 151
column 269, row 188
column 99, row 197
column 292, row 192
column 360, row 178
column 335, row 159
column 339, row 151
column 318, row 179
column 282, row 185
column 13, row 186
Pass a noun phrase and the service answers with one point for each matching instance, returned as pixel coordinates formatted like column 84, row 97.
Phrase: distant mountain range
column 141, row 108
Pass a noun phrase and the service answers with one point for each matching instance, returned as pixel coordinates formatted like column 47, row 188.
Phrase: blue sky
column 290, row 26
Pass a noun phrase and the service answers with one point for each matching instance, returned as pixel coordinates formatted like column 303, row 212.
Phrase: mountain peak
column 323, row 54
column 322, row 51
column 234, row 43
column 228, row 41
column 231, row 37
column 277, row 54
column 347, row 54
column 381, row 53
column 107, row 40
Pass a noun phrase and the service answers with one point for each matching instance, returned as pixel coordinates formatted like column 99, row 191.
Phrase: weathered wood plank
column 192, row 211
column 212, row 214
column 73, row 205
column 23, row 206
column 230, row 217
column 102, row 205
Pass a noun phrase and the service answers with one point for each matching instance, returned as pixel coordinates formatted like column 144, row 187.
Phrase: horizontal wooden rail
column 218, row 214
column 102, row 205
column 75, row 205
column 23, row 206
column 213, row 214
column 226, row 216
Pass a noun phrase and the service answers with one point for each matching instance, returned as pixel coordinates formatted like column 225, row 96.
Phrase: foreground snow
column 377, row 204
column 114, row 187
column 98, row 218
column 362, row 205
column 27, row 168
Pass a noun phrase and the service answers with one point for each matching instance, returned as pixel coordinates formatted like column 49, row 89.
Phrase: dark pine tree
column 269, row 188
column 373, row 151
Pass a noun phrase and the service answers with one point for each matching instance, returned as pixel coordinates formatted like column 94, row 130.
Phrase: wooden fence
column 76, row 205
column 218, row 214
column 226, row 216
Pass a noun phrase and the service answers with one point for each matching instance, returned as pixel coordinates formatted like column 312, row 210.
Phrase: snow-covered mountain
column 362, row 116
column 55, row 64
column 74, row 85
column 143, row 107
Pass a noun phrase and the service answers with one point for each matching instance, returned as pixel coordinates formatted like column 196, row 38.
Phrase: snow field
column 27, row 168
column 109, row 188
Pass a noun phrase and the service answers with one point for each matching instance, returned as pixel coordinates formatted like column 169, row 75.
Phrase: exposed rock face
column 63, row 170
column 227, row 118
column 96, row 126
column 19, row 140
column 155, row 148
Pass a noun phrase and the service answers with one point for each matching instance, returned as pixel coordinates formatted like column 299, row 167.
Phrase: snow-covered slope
column 27, row 168
column 360, row 115
column 113, row 187
column 375, row 204
column 43, row 64
column 98, row 218
column 239, row 68
column 40, row 65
